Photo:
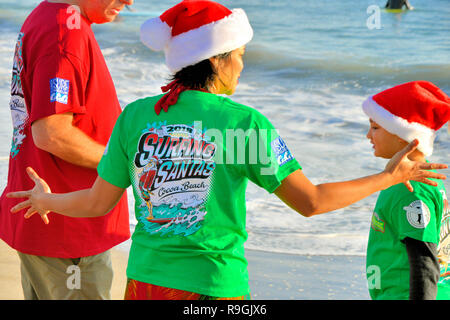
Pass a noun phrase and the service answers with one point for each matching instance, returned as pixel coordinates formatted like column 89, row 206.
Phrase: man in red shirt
column 64, row 107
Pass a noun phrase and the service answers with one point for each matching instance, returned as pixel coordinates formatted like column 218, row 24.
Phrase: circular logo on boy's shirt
column 418, row 214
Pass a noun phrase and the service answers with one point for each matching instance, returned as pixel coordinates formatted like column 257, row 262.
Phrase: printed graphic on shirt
column 377, row 224
column 59, row 90
column 173, row 170
column 444, row 242
column 418, row 214
column 19, row 113
column 281, row 151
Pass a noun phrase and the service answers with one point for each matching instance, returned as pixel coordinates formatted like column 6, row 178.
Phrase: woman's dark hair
column 200, row 75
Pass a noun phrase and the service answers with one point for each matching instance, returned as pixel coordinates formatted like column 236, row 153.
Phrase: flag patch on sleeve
column 59, row 90
column 281, row 151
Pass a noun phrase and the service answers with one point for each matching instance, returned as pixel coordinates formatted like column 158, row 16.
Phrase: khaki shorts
column 87, row 278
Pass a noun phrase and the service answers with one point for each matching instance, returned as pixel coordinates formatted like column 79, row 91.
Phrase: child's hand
column 402, row 169
column 34, row 197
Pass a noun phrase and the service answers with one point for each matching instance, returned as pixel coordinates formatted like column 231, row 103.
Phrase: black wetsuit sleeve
column 423, row 269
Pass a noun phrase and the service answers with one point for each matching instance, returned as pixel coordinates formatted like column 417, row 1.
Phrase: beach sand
column 273, row 276
column 11, row 288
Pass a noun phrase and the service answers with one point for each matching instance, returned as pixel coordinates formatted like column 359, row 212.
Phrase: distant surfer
column 398, row 4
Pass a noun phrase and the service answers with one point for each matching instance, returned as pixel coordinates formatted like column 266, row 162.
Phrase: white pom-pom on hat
column 195, row 30
column 155, row 34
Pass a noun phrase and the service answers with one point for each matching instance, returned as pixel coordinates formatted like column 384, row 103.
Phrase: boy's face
column 385, row 144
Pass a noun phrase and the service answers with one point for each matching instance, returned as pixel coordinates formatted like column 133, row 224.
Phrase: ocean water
column 308, row 69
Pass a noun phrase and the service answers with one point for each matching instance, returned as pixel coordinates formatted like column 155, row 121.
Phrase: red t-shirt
column 59, row 68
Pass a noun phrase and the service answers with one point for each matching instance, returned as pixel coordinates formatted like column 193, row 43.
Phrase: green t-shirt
column 398, row 214
column 189, row 168
column 444, row 252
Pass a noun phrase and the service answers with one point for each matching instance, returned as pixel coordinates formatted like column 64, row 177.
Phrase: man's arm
column 57, row 135
column 423, row 269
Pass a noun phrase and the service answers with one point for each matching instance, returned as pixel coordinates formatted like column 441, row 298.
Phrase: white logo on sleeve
column 59, row 90
column 418, row 214
column 281, row 151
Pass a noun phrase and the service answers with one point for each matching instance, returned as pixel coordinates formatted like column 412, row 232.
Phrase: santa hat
column 195, row 30
column 413, row 110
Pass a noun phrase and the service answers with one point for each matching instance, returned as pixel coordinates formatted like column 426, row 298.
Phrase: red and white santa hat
column 195, row 30
column 413, row 110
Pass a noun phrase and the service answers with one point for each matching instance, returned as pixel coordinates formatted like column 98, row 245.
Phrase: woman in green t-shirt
column 189, row 155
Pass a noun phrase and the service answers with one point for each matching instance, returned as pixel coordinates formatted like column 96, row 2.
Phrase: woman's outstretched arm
column 94, row 202
column 308, row 199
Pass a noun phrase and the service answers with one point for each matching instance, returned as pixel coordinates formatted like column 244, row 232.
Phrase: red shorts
column 137, row 290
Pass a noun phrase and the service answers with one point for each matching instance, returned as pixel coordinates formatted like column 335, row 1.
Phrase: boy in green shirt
column 406, row 234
